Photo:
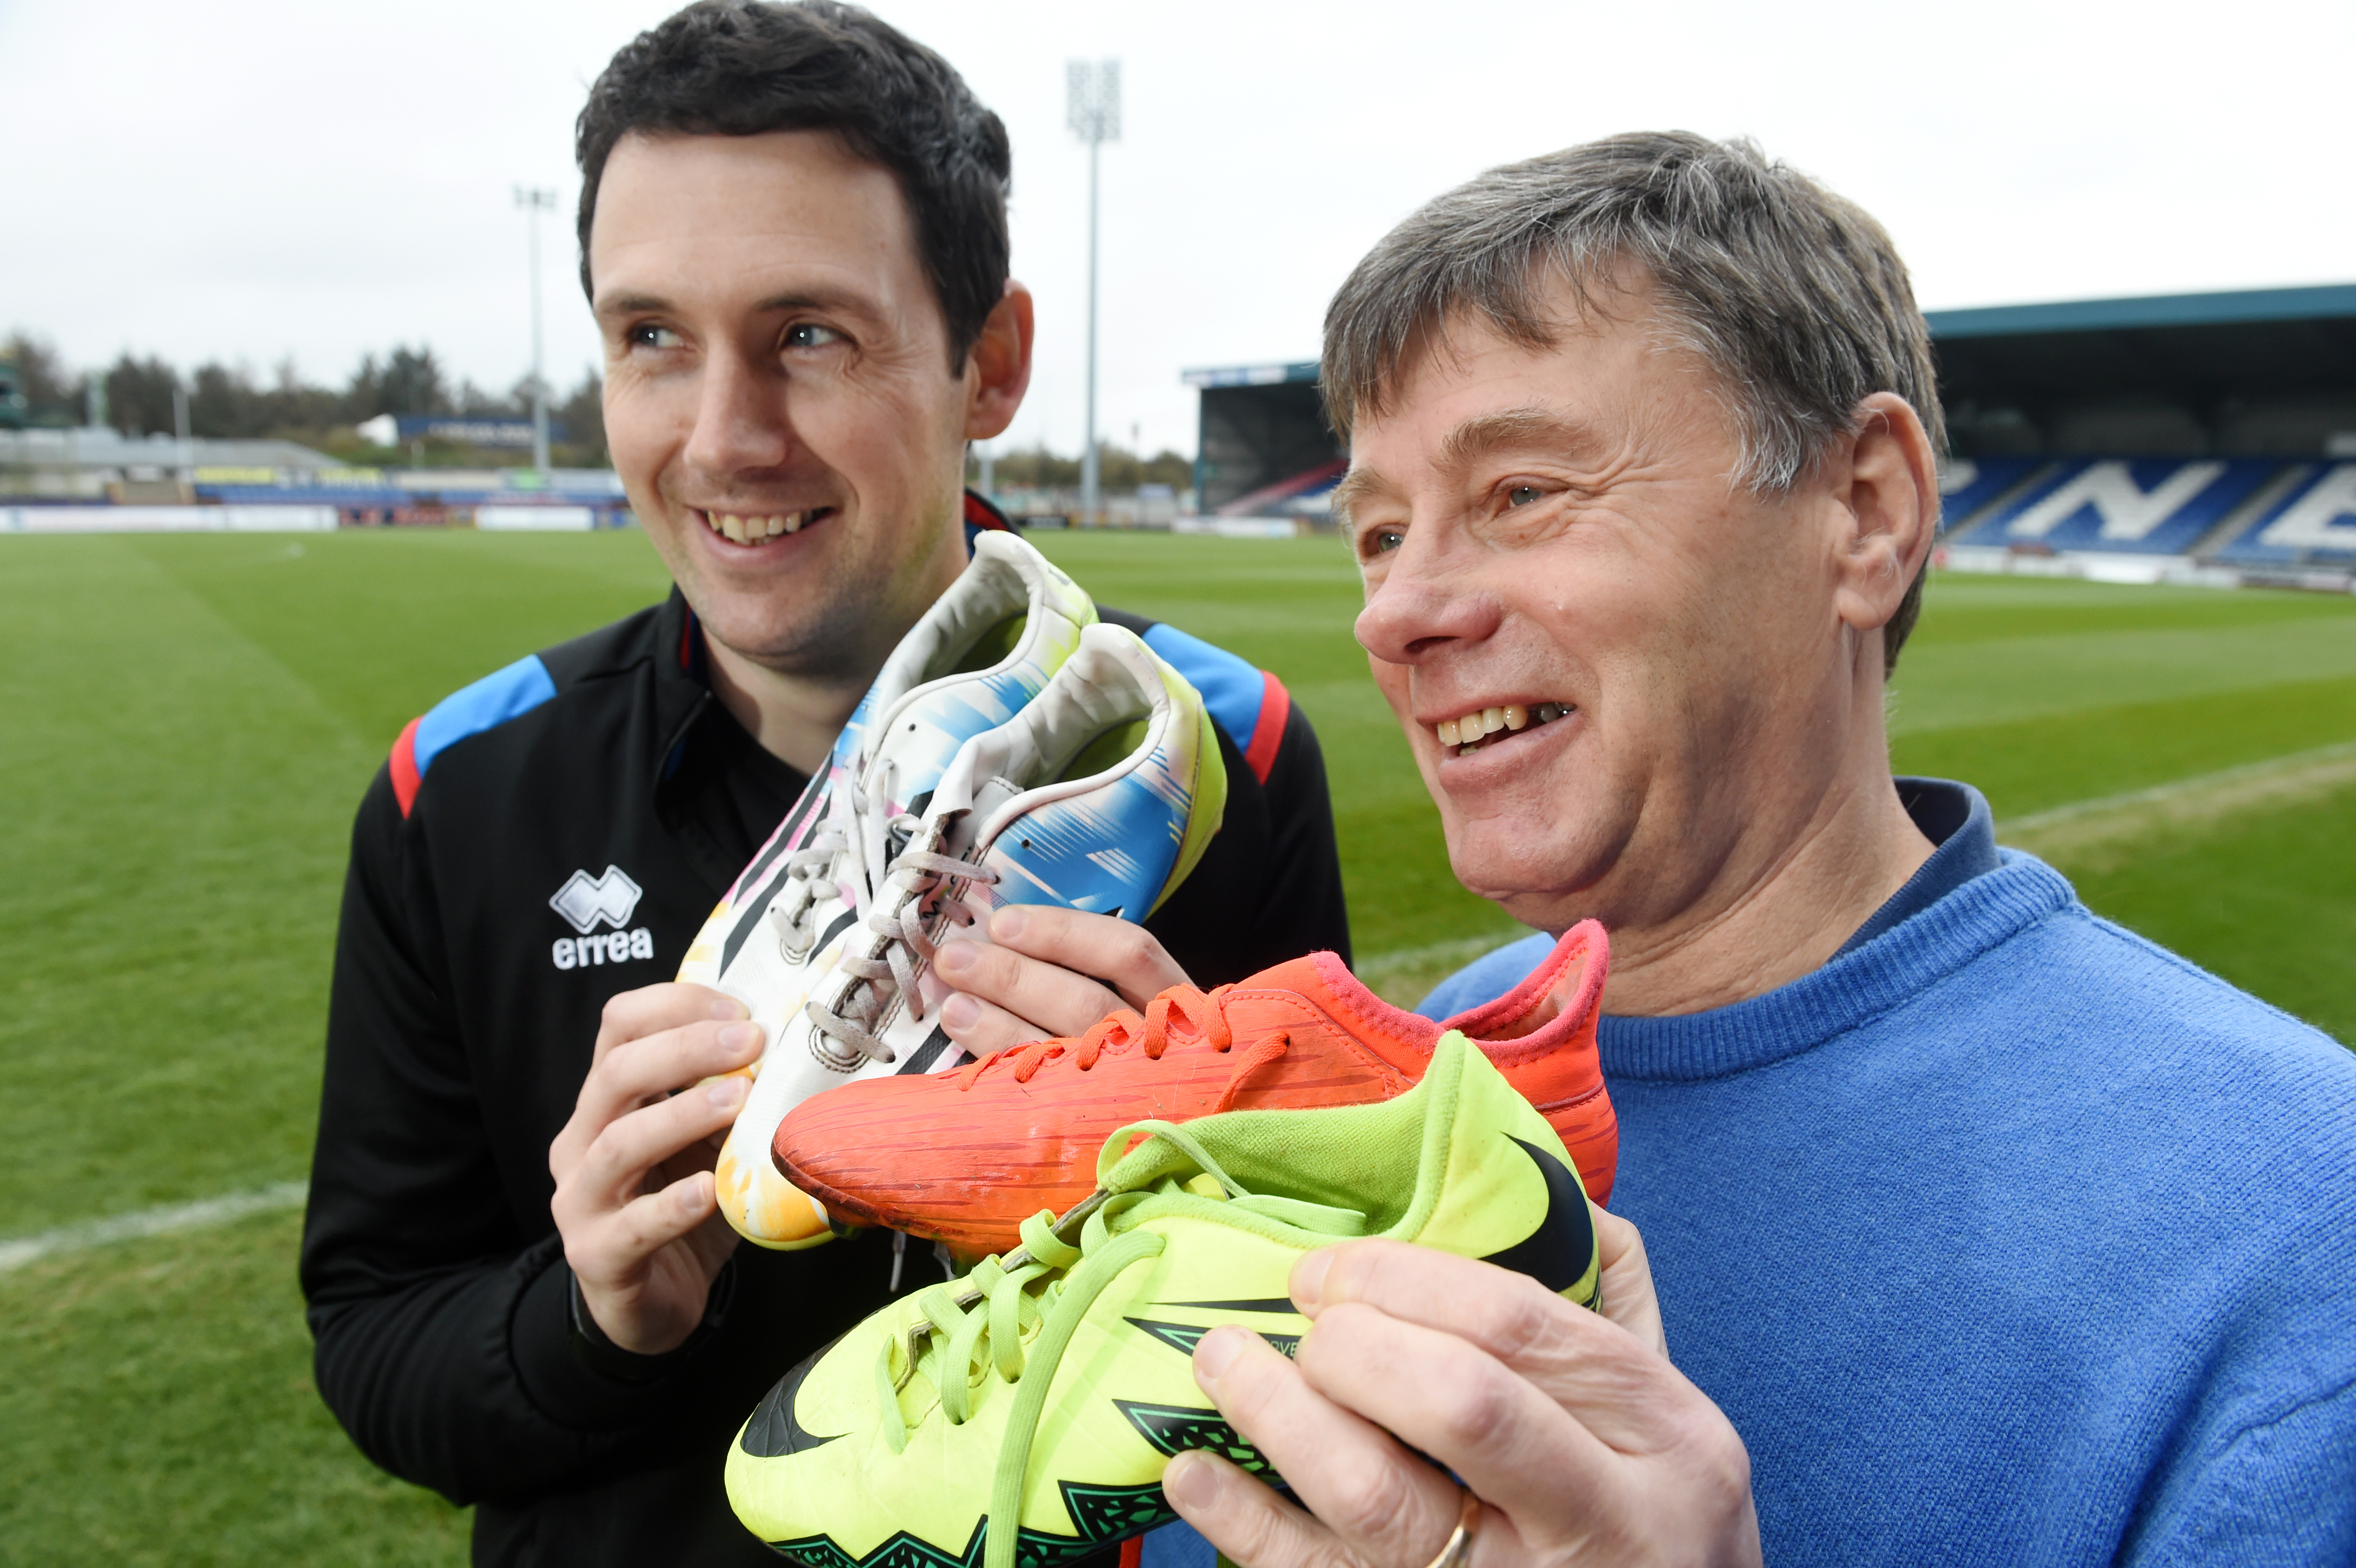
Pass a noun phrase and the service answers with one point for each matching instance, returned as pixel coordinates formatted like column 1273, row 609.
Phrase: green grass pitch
column 190, row 720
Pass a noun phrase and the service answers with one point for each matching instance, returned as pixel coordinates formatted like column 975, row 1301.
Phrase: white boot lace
column 918, row 893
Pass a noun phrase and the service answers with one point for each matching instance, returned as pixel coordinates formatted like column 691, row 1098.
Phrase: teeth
column 753, row 530
column 1467, row 733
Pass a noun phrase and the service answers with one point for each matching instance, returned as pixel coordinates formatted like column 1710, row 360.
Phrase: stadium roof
column 2212, row 356
column 2328, row 302
column 2173, row 328
column 1252, row 375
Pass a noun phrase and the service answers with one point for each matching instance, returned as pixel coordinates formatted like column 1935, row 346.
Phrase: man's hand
column 632, row 1168
column 1052, row 972
column 1584, row 1444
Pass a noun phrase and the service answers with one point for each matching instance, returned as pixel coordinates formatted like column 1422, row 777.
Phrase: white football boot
column 1101, row 795
column 981, row 653
column 983, row 650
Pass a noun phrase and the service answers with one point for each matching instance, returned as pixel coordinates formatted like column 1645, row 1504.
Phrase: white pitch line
column 1462, row 949
column 17, row 1252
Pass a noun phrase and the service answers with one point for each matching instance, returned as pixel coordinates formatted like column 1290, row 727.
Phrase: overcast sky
column 256, row 179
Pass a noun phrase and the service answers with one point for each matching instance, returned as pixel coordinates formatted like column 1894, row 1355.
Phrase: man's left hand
column 1580, row 1442
column 1048, row 973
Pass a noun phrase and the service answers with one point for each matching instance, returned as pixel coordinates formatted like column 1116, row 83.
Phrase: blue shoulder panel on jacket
column 1231, row 688
column 497, row 698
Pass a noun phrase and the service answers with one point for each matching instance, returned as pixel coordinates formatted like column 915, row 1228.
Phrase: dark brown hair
column 741, row 68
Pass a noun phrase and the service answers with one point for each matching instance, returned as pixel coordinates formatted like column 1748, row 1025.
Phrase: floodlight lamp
column 1093, row 100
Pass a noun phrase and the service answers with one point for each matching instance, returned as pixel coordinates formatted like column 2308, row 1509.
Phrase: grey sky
column 266, row 178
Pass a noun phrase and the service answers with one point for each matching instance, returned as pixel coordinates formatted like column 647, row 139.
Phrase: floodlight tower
column 535, row 201
column 1095, row 117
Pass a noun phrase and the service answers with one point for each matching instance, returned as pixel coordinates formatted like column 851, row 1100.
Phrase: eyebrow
column 776, row 304
column 1467, row 445
column 1482, row 436
column 1356, row 486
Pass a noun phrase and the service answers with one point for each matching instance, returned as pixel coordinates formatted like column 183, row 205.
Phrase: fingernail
column 728, row 1008
column 727, row 1092
column 1189, row 1482
column 740, row 1037
column 960, row 1013
column 955, row 958
column 1309, row 1277
column 1216, row 1354
column 1008, row 923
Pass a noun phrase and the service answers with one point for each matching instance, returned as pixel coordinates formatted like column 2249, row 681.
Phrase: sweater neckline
column 1848, row 992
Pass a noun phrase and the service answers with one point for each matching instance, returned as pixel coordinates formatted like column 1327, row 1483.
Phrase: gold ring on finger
column 1459, row 1550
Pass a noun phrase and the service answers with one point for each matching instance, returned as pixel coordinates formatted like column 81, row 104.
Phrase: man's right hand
column 633, row 1196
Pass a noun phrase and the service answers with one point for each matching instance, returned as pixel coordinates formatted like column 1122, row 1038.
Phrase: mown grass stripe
column 2206, row 798
column 144, row 1223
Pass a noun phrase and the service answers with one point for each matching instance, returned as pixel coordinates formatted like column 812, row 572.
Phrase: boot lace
column 1010, row 1320
column 1203, row 1014
column 909, row 906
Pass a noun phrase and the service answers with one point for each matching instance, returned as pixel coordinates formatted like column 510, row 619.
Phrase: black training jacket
column 544, row 838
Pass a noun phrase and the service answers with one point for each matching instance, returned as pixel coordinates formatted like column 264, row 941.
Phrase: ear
column 1890, row 499
column 998, row 367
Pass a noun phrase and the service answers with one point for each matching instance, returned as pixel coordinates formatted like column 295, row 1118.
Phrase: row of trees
column 1119, row 470
column 230, row 402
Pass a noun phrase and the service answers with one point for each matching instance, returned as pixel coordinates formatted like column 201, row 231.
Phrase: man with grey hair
column 1987, row 1231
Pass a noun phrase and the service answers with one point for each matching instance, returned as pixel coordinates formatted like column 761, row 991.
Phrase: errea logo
column 587, row 903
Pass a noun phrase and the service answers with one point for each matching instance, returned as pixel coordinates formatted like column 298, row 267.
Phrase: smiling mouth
column 749, row 529
column 1467, row 735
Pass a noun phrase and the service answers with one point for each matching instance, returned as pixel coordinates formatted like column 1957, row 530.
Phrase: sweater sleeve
column 2283, row 1492
column 443, row 1330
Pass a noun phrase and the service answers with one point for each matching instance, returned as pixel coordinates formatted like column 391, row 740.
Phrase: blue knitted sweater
column 2004, row 1237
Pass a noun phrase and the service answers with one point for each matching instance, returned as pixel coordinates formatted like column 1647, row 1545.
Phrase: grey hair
column 1794, row 297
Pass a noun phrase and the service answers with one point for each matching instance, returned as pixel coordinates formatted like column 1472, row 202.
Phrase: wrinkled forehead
column 1604, row 376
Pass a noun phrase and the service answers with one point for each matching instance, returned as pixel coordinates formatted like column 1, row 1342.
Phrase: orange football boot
column 964, row 1156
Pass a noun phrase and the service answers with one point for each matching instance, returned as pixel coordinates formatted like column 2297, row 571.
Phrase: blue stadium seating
column 1969, row 484
column 2139, row 505
column 2313, row 522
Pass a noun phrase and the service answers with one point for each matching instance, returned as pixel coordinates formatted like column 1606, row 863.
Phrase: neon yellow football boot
column 1020, row 1417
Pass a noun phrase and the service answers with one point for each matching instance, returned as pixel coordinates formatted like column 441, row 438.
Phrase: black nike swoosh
column 773, row 1432
column 1557, row 1253
column 1266, row 1304
column 1184, row 1337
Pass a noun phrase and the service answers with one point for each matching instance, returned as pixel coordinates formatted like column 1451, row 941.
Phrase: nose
column 1419, row 609
column 740, row 420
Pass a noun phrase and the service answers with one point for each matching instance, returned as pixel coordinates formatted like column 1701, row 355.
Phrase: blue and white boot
column 1099, row 795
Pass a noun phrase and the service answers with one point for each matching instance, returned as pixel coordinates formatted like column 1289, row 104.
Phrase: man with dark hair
column 1985, row 1231
column 794, row 241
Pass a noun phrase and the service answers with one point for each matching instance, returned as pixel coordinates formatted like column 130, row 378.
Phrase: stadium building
column 2205, row 438
column 99, row 481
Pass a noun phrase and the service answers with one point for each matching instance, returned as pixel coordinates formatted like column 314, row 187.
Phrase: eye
column 1523, row 494
column 647, row 335
column 809, row 335
column 1382, row 541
